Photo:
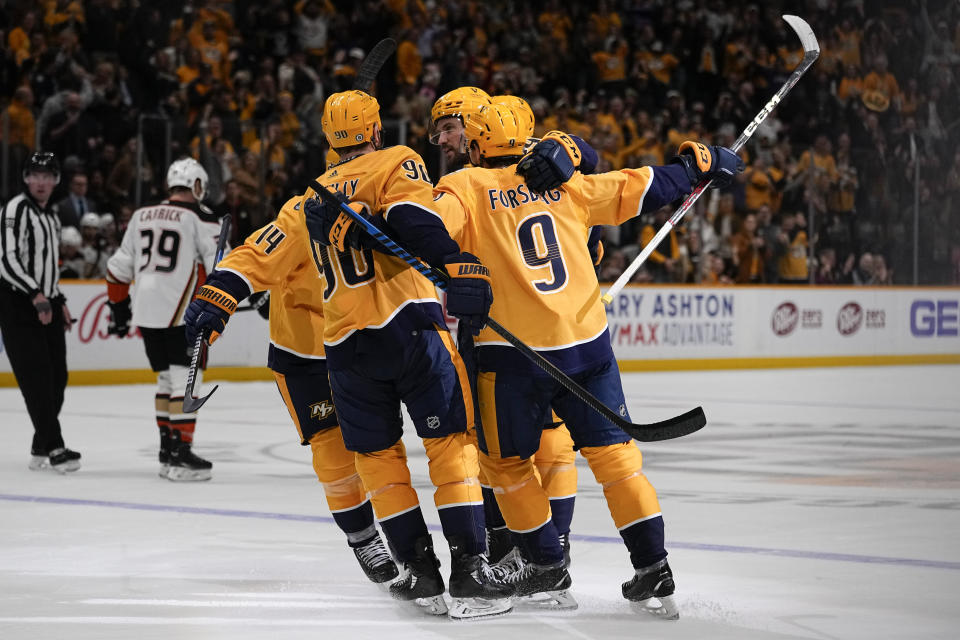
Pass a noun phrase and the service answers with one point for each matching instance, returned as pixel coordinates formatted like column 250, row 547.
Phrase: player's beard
column 455, row 159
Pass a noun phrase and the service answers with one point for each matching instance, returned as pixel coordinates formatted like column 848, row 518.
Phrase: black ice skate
column 61, row 460
column 475, row 589
column 421, row 581
column 538, row 586
column 164, row 455
column 185, row 465
column 651, row 584
column 375, row 560
column 499, row 544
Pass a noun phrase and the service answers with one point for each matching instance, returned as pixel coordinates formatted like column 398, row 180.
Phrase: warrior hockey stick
column 192, row 403
column 676, row 427
column 811, row 50
column 373, row 63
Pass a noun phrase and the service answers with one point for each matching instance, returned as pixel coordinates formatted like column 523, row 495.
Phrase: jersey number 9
column 537, row 240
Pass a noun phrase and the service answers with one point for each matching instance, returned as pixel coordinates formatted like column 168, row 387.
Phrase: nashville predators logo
column 321, row 410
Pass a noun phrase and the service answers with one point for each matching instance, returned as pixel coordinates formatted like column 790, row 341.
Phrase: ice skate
column 61, row 460
column 475, row 589
column 164, row 455
column 185, row 465
column 652, row 588
column 38, row 461
column 537, row 586
column 499, row 544
column 421, row 581
column 375, row 560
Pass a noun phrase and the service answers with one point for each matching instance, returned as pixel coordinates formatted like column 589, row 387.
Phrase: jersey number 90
column 355, row 267
column 540, row 249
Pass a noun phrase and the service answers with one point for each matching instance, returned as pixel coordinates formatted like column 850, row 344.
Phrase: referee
column 33, row 312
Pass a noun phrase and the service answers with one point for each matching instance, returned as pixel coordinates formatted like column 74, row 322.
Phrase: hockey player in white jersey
column 166, row 252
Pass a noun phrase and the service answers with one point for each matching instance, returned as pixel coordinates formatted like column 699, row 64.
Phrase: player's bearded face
column 450, row 138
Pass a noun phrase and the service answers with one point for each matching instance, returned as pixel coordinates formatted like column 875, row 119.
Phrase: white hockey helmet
column 90, row 219
column 187, row 172
column 70, row 237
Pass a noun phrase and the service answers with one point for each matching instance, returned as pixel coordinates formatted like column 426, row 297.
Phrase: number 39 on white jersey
column 161, row 253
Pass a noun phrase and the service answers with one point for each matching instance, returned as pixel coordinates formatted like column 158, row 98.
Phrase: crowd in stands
column 240, row 85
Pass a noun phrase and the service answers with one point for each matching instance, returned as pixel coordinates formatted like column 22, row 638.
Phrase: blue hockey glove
column 708, row 163
column 209, row 312
column 469, row 295
column 329, row 225
column 550, row 163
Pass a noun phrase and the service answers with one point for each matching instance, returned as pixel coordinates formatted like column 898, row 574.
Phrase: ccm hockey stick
column 373, row 63
column 676, row 427
column 190, row 402
column 811, row 51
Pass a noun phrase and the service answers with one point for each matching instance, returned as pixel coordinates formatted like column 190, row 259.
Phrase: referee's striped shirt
column 29, row 247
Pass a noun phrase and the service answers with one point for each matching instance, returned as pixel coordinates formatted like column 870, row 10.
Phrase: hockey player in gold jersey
column 277, row 258
column 555, row 458
column 545, row 292
column 386, row 343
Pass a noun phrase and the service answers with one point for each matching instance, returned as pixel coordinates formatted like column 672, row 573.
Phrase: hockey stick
column 373, row 63
column 676, row 427
column 811, row 51
column 190, row 402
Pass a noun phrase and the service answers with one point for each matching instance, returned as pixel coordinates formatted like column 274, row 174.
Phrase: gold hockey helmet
column 522, row 110
column 458, row 103
column 497, row 131
column 349, row 118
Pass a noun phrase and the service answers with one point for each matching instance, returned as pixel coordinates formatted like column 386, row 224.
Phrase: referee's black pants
column 38, row 356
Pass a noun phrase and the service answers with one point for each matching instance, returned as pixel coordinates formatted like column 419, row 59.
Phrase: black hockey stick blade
column 192, row 403
column 679, row 426
column 373, row 63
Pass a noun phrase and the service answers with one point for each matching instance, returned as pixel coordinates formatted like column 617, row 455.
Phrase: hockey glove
column 469, row 295
column 120, row 316
column 550, row 163
column 588, row 156
column 708, row 163
column 329, row 225
column 208, row 314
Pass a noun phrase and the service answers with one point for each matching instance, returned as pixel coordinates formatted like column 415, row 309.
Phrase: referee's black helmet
column 42, row 162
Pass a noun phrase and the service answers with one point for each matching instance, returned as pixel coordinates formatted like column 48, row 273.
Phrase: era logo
column 321, row 410
column 930, row 318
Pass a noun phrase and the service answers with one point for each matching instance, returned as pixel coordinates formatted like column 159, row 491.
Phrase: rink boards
column 651, row 328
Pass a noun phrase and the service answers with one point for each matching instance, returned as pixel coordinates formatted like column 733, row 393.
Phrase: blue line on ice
column 695, row 546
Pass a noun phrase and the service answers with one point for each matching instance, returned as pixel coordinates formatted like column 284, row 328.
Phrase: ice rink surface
column 818, row 504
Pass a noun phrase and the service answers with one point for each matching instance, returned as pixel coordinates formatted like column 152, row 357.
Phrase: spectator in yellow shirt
column 851, row 85
column 409, row 62
column 19, row 38
column 761, row 185
column 22, row 125
column 882, row 81
column 822, row 159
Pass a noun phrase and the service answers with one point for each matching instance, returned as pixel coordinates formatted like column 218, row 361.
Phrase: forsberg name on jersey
column 161, row 213
column 510, row 198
